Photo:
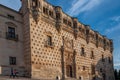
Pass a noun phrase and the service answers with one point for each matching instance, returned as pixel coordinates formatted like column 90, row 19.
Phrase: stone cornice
column 11, row 19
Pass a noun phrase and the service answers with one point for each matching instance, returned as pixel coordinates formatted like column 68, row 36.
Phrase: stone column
column 74, row 63
column 62, row 60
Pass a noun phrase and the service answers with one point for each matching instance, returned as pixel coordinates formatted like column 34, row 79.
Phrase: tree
column 119, row 75
column 116, row 74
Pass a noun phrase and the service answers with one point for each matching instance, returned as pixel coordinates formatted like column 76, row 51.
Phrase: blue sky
column 101, row 15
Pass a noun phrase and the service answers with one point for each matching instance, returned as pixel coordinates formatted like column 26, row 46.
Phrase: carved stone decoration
column 58, row 18
column 74, row 53
column 111, row 46
column 68, row 43
column 58, row 27
column 36, row 14
column 87, row 36
column 35, row 9
column 104, row 44
column 69, row 58
column 87, row 33
column 96, row 39
column 75, row 33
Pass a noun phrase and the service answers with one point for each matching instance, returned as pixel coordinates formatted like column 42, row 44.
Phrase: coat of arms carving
column 68, row 43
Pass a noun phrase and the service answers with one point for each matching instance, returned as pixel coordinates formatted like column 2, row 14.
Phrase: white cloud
column 82, row 6
column 113, row 29
column 117, row 64
column 116, row 18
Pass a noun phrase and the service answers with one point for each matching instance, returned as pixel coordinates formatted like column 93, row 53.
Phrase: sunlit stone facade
column 51, row 44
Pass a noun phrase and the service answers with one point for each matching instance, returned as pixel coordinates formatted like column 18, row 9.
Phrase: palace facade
column 41, row 41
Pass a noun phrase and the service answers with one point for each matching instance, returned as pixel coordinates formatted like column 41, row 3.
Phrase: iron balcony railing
column 11, row 36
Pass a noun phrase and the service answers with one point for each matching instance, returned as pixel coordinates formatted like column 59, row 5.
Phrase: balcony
column 11, row 36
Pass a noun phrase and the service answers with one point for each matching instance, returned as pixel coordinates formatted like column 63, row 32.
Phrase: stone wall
column 75, row 50
column 10, row 47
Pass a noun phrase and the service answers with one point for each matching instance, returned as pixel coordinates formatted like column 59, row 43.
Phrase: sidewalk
column 19, row 78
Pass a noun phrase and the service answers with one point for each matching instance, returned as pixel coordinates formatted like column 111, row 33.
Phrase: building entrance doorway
column 69, row 71
column 104, row 76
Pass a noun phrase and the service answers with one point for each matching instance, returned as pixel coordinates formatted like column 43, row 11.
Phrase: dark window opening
column 12, row 60
column 101, row 70
column 49, row 40
column 75, row 24
column 80, row 29
column 11, row 32
column 69, row 23
column 109, row 60
column 94, row 78
column 83, row 68
column 69, row 71
column 92, row 55
column 34, row 3
column 51, row 13
column 57, row 16
column 82, row 52
column 103, row 60
column 80, row 78
column 11, row 17
column 104, row 76
column 93, row 69
column 65, row 21
column 45, row 10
